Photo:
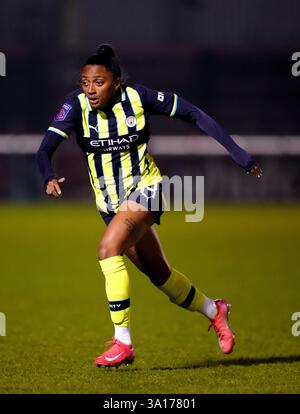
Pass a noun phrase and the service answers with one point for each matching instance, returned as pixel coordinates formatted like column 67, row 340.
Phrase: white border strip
column 177, row 144
column 203, row 145
column 19, row 144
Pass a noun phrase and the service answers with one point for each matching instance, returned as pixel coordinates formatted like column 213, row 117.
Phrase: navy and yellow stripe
column 58, row 131
column 174, row 107
column 114, row 175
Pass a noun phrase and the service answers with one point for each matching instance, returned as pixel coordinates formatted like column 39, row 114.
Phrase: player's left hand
column 256, row 171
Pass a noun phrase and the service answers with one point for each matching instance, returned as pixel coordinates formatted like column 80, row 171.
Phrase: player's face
column 99, row 85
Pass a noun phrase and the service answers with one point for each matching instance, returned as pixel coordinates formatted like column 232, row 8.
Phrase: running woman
column 111, row 123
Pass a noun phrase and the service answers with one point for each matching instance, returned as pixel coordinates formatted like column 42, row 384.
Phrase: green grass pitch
column 57, row 320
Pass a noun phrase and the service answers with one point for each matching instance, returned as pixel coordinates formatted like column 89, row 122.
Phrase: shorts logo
column 149, row 192
column 131, row 121
column 63, row 112
column 160, row 96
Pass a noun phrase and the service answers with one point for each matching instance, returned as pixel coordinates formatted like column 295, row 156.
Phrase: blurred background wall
column 231, row 58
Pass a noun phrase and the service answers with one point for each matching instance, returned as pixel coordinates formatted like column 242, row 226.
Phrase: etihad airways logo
column 111, row 144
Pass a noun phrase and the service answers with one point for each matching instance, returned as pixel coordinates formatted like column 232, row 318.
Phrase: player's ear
column 117, row 83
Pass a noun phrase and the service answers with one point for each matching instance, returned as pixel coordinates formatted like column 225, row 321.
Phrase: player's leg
column 149, row 257
column 125, row 229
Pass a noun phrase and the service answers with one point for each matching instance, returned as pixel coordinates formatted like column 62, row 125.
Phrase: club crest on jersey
column 63, row 112
column 131, row 121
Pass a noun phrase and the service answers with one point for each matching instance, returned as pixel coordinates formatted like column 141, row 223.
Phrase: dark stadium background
column 233, row 59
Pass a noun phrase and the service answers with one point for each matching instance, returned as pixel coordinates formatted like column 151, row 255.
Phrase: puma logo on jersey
column 95, row 128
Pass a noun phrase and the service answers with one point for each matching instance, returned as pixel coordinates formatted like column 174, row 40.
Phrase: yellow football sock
column 181, row 291
column 117, row 289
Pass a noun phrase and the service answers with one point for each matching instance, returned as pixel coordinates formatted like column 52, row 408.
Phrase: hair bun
column 105, row 50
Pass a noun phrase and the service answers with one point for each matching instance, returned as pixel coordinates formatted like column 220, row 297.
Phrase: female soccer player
column 110, row 119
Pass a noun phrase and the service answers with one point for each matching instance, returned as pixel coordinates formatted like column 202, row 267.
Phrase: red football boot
column 118, row 354
column 220, row 324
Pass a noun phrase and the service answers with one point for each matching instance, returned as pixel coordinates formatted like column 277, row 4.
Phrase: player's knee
column 108, row 248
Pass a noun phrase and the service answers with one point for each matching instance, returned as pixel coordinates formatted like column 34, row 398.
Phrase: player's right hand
column 256, row 171
column 53, row 187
